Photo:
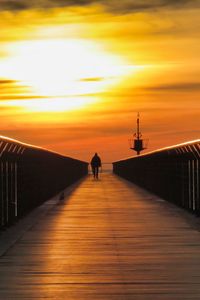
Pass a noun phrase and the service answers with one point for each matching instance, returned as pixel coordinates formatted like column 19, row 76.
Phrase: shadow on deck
column 108, row 240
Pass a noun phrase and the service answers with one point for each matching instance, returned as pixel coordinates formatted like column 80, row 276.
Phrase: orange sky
column 73, row 77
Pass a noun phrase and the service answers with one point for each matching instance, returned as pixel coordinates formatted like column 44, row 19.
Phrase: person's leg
column 97, row 172
column 93, row 171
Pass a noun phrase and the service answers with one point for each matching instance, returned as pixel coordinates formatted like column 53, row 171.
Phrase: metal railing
column 30, row 175
column 172, row 173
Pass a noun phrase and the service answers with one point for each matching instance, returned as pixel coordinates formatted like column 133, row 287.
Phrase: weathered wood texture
column 109, row 240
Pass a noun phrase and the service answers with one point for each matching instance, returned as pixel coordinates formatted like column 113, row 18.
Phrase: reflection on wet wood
column 108, row 240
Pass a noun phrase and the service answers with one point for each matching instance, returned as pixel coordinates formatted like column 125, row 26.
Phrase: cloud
column 13, row 5
column 182, row 86
column 124, row 6
column 92, row 79
column 6, row 82
column 146, row 5
column 12, row 90
column 11, row 97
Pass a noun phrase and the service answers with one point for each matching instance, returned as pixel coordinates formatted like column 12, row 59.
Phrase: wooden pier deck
column 109, row 240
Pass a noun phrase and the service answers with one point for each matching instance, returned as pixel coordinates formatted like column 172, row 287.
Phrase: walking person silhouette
column 95, row 164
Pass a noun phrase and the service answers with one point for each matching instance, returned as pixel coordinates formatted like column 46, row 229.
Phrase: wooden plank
column 108, row 240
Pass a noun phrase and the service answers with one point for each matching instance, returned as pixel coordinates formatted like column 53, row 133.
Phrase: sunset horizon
column 100, row 149
column 74, row 74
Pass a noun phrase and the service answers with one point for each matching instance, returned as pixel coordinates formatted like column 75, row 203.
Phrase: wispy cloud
column 14, row 90
column 92, row 79
column 112, row 5
column 182, row 86
column 11, row 97
column 146, row 5
column 6, row 82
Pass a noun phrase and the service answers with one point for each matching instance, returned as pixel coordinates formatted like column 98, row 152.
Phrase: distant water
column 106, row 168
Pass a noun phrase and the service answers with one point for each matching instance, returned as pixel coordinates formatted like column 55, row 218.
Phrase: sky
column 74, row 74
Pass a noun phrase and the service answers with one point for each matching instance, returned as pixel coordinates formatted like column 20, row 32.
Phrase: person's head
column 96, row 154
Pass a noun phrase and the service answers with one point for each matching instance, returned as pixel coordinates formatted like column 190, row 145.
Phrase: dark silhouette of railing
column 30, row 175
column 172, row 173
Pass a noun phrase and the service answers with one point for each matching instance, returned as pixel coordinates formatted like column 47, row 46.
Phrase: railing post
column 15, row 190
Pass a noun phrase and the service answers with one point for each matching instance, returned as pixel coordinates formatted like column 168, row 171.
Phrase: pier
column 107, row 239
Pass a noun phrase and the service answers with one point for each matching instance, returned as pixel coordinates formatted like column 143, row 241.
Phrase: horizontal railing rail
column 172, row 173
column 30, row 175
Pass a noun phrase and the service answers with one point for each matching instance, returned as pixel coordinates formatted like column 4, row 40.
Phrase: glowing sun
column 63, row 67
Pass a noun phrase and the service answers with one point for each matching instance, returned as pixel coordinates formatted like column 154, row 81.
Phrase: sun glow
column 63, row 67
